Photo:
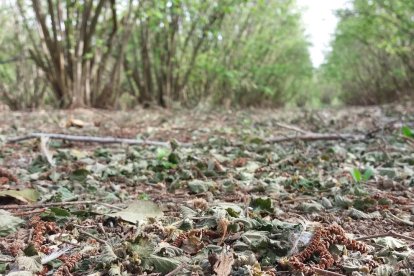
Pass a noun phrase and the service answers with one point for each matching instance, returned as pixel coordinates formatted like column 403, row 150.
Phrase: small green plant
column 144, row 196
column 167, row 159
column 359, row 177
column 407, row 132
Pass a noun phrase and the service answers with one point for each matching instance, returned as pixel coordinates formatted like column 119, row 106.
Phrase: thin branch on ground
column 409, row 140
column 327, row 273
column 31, row 212
column 110, row 206
column 395, row 218
column 92, row 236
column 294, row 128
column 316, row 137
column 388, row 234
column 45, row 205
column 92, row 139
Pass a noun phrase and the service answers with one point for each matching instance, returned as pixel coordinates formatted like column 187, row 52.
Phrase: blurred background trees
column 372, row 57
column 113, row 53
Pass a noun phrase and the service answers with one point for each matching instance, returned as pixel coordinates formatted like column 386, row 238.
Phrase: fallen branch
column 92, row 236
column 45, row 205
column 388, row 234
column 29, row 213
column 294, row 128
column 315, row 137
column 92, row 139
column 327, row 273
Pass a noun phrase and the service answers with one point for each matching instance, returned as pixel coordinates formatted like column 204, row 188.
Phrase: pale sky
column 320, row 22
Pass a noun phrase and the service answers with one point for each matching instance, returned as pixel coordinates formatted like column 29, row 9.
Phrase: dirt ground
column 242, row 192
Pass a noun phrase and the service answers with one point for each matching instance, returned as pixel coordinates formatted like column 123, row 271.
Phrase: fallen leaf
column 224, row 264
column 26, row 195
column 8, row 223
column 72, row 122
column 139, row 211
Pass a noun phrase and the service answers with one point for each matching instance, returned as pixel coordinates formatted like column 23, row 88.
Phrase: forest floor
column 248, row 192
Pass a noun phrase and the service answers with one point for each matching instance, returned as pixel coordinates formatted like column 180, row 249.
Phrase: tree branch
column 92, row 139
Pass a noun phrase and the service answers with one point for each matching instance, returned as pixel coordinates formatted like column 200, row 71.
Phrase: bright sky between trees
column 320, row 22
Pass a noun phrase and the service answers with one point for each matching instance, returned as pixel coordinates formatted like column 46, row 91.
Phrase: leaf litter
column 240, row 200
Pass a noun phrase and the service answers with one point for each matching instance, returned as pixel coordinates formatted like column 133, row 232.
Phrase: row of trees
column 372, row 57
column 99, row 52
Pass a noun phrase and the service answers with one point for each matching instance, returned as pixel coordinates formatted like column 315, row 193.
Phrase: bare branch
column 92, row 139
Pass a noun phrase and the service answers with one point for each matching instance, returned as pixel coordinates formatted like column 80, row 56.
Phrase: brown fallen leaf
column 72, row 122
column 7, row 175
column 224, row 264
column 3, row 180
column 239, row 162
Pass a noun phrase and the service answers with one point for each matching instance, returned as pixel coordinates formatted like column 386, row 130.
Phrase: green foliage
column 358, row 176
column 407, row 132
column 372, row 56
column 234, row 52
column 22, row 85
column 260, row 57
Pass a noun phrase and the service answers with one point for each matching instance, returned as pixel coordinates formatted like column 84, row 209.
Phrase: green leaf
column 256, row 239
column 30, row 250
column 8, row 223
column 144, row 196
column 311, row 207
column 199, row 186
column 262, row 204
column 64, row 194
column 144, row 248
column 391, row 243
column 139, row 211
column 358, row 214
column 31, row 264
column 356, row 175
column 161, row 264
column 364, row 203
column 384, row 270
column 162, row 153
column 407, row 132
column 60, row 212
column 173, row 158
column 79, row 175
column 232, row 213
column 368, row 174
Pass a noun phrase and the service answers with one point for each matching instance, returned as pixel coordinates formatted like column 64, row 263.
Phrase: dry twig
column 326, row 272
column 45, row 205
column 92, row 139
column 316, row 137
column 295, row 128
column 388, row 234
column 92, row 236
column 27, row 213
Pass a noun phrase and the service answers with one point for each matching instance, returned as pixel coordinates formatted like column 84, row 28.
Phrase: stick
column 91, row 139
column 388, row 234
column 295, row 128
column 31, row 212
column 45, row 205
column 326, row 272
column 315, row 137
column 110, row 206
column 92, row 236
